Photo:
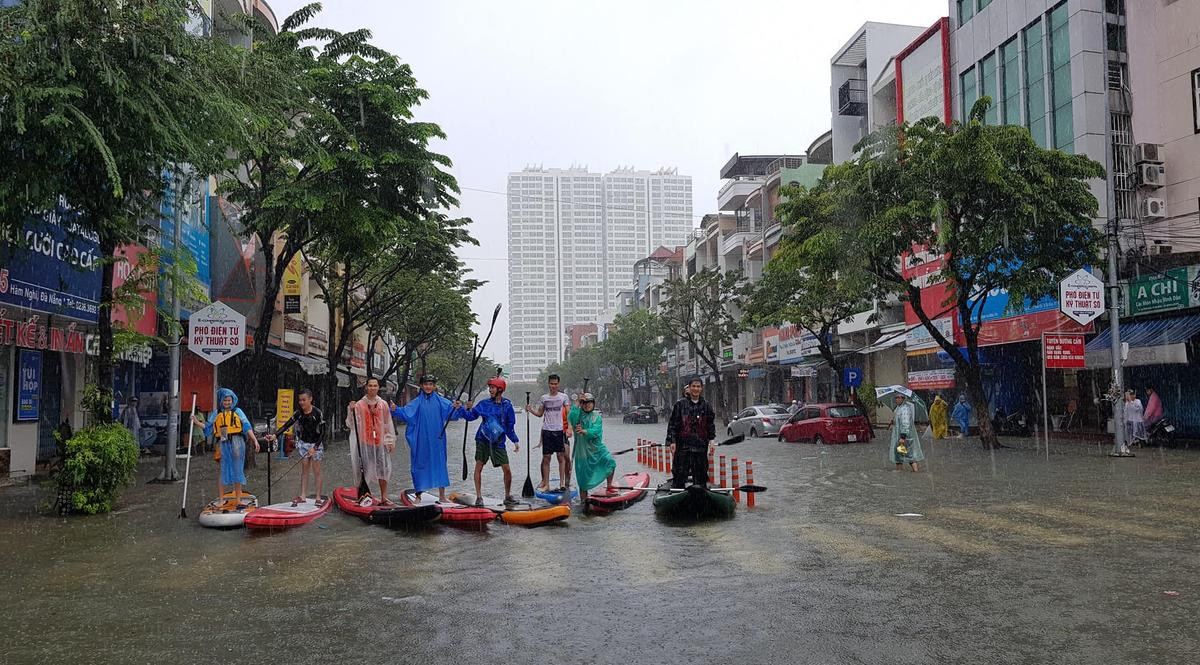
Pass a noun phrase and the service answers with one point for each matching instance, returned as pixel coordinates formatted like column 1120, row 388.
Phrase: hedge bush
column 100, row 461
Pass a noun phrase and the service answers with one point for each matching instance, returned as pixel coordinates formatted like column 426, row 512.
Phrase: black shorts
column 553, row 442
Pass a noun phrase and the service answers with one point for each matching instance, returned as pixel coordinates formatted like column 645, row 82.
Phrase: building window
column 1010, row 78
column 1060, row 79
column 1115, row 37
column 970, row 92
column 984, row 3
column 987, row 74
column 1035, row 83
column 966, row 9
column 1196, row 100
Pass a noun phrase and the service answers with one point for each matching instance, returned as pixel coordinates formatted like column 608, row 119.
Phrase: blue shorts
column 302, row 448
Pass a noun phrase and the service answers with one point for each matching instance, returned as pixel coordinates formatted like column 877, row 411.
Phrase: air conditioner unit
column 1151, row 175
column 1152, row 208
column 1155, row 250
column 1147, row 152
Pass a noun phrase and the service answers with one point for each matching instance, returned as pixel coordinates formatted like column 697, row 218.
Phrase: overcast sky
column 643, row 83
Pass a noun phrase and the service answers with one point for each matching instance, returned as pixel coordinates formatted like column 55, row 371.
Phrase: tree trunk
column 987, row 435
column 266, row 315
column 104, row 362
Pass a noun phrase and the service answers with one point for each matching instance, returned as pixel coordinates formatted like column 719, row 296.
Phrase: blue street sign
column 852, row 377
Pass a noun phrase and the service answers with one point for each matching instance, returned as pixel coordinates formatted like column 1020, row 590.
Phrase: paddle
column 727, row 442
column 187, row 468
column 742, row 488
column 471, row 374
column 469, row 387
column 527, row 488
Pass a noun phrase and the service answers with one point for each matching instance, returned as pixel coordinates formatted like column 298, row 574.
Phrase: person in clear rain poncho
column 906, row 440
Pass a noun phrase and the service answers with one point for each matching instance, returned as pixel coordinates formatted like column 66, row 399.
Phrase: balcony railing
column 784, row 163
column 852, row 97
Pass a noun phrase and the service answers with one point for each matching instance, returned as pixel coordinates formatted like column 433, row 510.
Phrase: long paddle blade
column 527, row 488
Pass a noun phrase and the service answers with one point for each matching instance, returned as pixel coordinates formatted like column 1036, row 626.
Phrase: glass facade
column 1010, row 77
column 970, row 92
column 1035, row 84
column 987, row 76
column 1060, row 79
column 966, row 9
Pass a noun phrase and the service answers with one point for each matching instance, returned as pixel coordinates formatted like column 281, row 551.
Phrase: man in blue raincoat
column 424, row 418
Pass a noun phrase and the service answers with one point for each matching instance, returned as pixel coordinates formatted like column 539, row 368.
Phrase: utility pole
column 1114, row 322
column 169, row 472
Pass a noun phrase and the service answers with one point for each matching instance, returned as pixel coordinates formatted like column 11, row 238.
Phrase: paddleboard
column 603, row 500
column 524, row 514
column 393, row 515
column 553, row 496
column 223, row 514
column 284, row 515
column 452, row 513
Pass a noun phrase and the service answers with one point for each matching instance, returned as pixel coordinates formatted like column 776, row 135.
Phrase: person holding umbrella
column 905, row 445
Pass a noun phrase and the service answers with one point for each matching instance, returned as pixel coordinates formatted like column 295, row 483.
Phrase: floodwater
column 1005, row 557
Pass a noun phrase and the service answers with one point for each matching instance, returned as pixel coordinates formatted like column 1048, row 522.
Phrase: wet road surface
column 1013, row 559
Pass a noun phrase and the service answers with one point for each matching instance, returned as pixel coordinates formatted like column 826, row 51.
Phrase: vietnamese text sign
column 217, row 332
column 29, row 386
column 1176, row 288
column 52, row 267
column 291, row 286
column 1063, row 351
column 931, row 379
column 1081, row 296
column 284, row 407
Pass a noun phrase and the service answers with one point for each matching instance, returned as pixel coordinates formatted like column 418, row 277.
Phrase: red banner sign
column 32, row 334
column 1063, row 351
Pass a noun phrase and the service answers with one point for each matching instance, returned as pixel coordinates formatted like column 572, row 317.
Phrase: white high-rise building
column 573, row 237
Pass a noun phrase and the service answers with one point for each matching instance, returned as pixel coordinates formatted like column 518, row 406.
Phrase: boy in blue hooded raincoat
column 424, row 419
column 232, row 430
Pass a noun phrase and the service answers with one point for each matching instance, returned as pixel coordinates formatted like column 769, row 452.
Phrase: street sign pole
column 1045, row 402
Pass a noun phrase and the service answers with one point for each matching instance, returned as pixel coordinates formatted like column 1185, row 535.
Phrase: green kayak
column 693, row 503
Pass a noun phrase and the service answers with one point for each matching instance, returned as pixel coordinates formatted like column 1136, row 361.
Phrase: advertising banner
column 931, row 379
column 291, row 286
column 193, row 213
column 29, row 386
column 285, row 400
column 52, row 268
column 1063, row 351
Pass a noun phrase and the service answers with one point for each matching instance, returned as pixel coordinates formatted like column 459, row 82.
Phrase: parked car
column 827, row 423
column 640, row 415
column 754, row 421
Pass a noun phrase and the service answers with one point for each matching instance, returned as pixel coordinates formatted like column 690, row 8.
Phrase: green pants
column 483, row 452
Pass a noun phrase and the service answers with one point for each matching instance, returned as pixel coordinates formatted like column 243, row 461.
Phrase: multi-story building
column 573, row 237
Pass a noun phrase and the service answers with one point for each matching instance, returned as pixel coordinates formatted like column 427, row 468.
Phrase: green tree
column 634, row 348
column 702, row 311
column 436, row 317
column 1000, row 211
column 807, row 283
column 98, row 100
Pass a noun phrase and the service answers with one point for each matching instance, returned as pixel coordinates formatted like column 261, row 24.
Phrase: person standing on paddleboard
column 691, row 433
column 499, row 421
column 552, row 410
column 372, row 439
column 310, row 444
column 593, row 462
column 232, row 430
column 424, row 419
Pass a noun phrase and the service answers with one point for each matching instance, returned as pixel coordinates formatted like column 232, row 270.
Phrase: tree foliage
column 998, row 211
column 634, row 346
column 704, row 311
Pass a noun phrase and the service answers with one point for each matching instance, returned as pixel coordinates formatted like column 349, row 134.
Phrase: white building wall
column 573, row 237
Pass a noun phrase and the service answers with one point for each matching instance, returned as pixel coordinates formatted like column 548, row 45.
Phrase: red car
column 827, row 423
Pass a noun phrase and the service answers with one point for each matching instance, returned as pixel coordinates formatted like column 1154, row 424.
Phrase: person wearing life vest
column 232, row 431
column 499, row 422
column 691, row 434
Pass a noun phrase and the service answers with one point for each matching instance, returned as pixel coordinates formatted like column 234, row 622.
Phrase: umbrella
column 887, row 396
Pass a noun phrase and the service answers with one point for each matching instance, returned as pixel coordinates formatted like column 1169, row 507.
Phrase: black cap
column 428, row 378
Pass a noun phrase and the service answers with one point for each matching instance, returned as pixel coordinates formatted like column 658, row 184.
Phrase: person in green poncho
column 593, row 463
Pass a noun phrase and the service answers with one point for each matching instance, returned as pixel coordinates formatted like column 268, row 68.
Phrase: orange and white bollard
column 721, row 465
column 641, row 455
column 667, row 461
column 711, row 477
column 657, row 459
column 749, row 481
column 737, row 496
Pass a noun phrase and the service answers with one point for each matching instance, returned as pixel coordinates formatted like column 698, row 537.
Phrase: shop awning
column 309, row 364
column 1157, row 342
column 894, row 339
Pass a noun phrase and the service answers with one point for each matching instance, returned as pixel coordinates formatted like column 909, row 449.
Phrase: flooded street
column 1012, row 558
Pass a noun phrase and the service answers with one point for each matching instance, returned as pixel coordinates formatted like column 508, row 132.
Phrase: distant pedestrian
column 1134, row 413
column 939, row 417
column 131, row 421
column 962, row 416
column 906, row 440
column 1154, row 408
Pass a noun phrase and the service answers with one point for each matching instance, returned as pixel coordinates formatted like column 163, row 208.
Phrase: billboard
column 193, row 213
column 52, row 268
column 923, row 76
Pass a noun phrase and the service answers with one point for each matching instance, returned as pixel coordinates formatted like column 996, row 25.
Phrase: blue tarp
column 1175, row 330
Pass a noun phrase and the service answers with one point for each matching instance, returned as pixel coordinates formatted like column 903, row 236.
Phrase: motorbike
column 1011, row 424
column 1161, row 433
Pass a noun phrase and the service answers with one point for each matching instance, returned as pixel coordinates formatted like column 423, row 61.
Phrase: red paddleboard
column 284, row 515
column 603, row 500
column 452, row 513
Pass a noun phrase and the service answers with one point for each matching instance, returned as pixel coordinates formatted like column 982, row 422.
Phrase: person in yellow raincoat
column 939, row 417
